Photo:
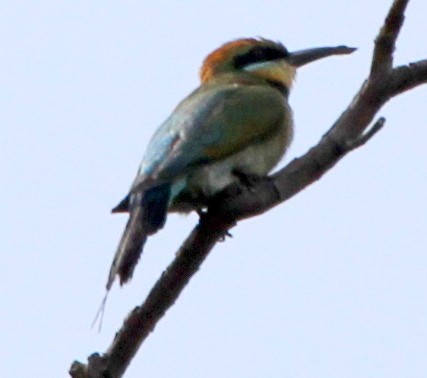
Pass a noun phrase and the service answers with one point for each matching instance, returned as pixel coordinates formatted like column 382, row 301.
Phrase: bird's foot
column 249, row 180
column 204, row 216
column 224, row 236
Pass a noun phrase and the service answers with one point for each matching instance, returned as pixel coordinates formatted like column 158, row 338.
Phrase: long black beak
column 299, row 58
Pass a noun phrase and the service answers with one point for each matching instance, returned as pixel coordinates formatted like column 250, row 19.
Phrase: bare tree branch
column 404, row 78
column 385, row 43
column 349, row 132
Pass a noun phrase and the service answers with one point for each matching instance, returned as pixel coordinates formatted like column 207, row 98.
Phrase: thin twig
column 358, row 142
column 385, row 43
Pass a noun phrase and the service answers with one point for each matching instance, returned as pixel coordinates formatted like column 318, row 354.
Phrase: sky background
column 330, row 284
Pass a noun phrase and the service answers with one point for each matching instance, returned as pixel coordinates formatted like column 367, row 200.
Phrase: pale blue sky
column 331, row 284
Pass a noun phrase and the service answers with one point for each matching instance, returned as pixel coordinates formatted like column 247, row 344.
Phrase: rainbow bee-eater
column 236, row 124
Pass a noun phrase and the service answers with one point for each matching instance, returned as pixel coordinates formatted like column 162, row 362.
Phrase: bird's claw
column 224, row 236
column 247, row 179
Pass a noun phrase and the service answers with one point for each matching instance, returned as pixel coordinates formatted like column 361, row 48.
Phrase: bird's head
column 263, row 58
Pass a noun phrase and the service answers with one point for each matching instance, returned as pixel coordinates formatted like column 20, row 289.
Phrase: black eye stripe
column 260, row 54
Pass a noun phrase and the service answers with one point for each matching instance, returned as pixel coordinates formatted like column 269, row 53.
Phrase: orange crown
column 218, row 59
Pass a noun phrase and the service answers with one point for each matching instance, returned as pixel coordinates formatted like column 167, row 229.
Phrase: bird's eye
column 260, row 54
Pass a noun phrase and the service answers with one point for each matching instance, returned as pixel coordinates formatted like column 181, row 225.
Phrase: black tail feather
column 129, row 249
column 155, row 204
column 147, row 215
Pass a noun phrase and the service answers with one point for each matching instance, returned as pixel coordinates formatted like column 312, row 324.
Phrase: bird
column 237, row 124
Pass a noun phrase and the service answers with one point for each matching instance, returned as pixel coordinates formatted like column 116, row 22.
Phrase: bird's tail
column 147, row 215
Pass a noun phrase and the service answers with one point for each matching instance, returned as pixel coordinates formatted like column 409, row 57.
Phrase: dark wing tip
column 122, row 207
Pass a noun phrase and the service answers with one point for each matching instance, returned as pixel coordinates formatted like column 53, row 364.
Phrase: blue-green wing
column 207, row 126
